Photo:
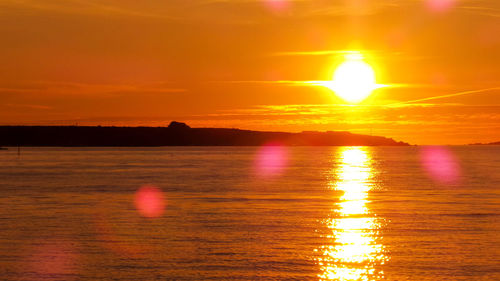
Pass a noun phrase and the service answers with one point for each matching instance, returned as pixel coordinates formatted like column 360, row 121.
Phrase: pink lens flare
column 277, row 6
column 440, row 6
column 149, row 201
column 271, row 159
column 440, row 164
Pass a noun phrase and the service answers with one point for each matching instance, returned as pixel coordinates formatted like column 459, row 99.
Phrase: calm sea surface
column 249, row 213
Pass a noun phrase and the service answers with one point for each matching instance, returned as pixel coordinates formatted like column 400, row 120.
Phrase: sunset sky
column 243, row 64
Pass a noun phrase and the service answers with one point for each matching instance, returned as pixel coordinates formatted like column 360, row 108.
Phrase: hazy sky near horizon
column 236, row 63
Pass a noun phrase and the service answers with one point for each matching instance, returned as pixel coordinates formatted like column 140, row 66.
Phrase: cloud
column 235, row 11
column 54, row 88
column 30, row 106
column 415, row 114
column 81, row 7
column 482, row 10
column 312, row 53
column 405, row 103
column 226, row 11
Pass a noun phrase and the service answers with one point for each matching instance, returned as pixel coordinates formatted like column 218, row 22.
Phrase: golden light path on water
column 353, row 250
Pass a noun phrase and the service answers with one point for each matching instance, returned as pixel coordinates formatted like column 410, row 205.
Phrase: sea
column 250, row 213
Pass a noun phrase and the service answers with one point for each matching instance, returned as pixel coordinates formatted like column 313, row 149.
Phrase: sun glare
column 354, row 79
column 353, row 248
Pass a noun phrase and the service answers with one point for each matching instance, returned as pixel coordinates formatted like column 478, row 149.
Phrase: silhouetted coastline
column 490, row 143
column 177, row 134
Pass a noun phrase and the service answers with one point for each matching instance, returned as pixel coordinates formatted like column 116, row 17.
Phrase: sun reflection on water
column 353, row 250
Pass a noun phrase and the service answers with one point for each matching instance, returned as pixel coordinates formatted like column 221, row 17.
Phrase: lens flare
column 149, row 201
column 271, row 159
column 440, row 164
column 277, row 6
column 440, row 5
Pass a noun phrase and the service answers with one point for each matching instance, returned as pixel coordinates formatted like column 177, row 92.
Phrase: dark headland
column 176, row 134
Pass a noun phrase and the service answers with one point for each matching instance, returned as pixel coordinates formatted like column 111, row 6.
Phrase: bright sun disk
column 353, row 80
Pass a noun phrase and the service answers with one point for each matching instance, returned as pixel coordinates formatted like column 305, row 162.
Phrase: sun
column 354, row 79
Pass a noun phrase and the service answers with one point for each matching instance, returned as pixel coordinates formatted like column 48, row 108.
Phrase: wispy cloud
column 30, row 106
column 69, row 88
column 283, row 82
column 313, row 53
column 234, row 11
column 481, row 10
column 85, row 7
column 405, row 103
column 251, row 10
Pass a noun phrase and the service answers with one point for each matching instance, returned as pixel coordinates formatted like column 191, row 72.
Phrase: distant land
column 491, row 143
column 176, row 134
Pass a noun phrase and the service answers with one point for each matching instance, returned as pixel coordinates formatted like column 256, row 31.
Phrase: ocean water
column 250, row 213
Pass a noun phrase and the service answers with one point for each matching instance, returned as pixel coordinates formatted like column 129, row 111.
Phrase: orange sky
column 220, row 63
